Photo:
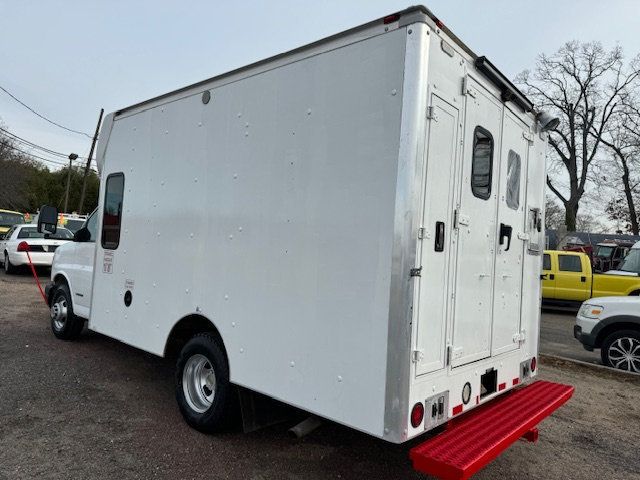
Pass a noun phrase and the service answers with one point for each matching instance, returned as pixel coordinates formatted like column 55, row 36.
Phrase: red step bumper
column 473, row 440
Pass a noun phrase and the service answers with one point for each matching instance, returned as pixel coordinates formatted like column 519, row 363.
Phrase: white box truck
column 353, row 228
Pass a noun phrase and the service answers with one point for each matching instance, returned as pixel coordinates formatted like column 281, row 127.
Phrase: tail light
column 23, row 247
column 417, row 414
column 534, row 363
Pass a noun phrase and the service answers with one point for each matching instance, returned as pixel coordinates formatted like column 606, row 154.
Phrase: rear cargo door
column 476, row 226
column 511, row 230
column 435, row 234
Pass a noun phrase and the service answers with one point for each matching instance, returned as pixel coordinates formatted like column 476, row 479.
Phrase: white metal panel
column 509, row 263
column 433, row 304
column 270, row 211
column 476, row 220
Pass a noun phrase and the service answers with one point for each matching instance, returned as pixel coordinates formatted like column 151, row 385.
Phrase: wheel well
column 635, row 293
column 59, row 278
column 609, row 329
column 185, row 329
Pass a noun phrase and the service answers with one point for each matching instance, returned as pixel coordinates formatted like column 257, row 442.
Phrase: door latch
column 415, row 272
column 417, row 356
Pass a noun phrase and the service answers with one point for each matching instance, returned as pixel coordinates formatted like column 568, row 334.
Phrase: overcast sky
column 66, row 59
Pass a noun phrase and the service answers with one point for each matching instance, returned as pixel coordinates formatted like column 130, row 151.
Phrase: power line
column 55, row 162
column 42, row 116
column 33, row 145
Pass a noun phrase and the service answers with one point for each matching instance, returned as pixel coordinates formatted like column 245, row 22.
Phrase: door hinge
column 422, row 233
column 466, row 89
column 519, row 337
column 417, row 356
column 415, row 272
column 524, row 236
column 527, row 136
column 431, row 114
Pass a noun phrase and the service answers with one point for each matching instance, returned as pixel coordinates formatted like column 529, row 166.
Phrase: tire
column 211, row 407
column 9, row 268
column 621, row 350
column 64, row 324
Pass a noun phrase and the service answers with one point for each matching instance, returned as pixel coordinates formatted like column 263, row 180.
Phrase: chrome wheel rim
column 199, row 383
column 59, row 313
column 624, row 354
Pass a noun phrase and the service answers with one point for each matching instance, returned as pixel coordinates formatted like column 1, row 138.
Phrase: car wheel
column 206, row 399
column 9, row 268
column 64, row 324
column 621, row 350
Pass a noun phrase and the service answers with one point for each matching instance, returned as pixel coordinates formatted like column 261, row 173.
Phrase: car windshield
column 32, row 232
column 74, row 224
column 10, row 219
column 604, row 251
column 631, row 262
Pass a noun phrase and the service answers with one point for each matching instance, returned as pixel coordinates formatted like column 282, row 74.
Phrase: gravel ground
column 97, row 409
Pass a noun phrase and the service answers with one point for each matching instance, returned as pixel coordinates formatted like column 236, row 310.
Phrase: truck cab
column 568, row 279
column 73, row 266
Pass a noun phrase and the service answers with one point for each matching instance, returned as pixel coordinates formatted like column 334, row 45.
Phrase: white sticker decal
column 107, row 262
column 128, row 284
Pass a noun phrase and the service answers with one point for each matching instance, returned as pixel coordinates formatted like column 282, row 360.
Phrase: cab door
column 511, row 234
column 476, row 226
column 548, row 277
column 572, row 278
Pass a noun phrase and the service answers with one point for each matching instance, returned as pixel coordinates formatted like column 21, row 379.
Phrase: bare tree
column 581, row 83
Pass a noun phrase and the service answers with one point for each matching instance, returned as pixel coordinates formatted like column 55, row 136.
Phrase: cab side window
column 569, row 263
column 91, row 225
column 546, row 262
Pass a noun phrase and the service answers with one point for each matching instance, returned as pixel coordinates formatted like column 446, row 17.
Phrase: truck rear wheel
column 9, row 268
column 64, row 324
column 206, row 398
column 621, row 350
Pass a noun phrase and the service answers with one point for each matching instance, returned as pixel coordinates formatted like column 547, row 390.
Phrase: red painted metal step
column 473, row 440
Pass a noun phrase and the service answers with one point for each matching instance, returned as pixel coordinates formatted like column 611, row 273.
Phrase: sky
column 68, row 59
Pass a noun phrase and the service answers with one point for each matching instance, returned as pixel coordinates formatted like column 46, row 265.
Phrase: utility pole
column 72, row 157
column 88, row 165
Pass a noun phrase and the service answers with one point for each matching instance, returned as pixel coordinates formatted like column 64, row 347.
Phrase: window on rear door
column 482, row 163
column 546, row 262
column 513, row 180
column 112, row 215
column 569, row 263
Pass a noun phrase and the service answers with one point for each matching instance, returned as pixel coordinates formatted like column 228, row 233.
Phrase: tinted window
column 32, row 232
column 546, row 262
column 569, row 263
column 112, row 216
column 482, row 163
column 91, row 225
column 513, row 180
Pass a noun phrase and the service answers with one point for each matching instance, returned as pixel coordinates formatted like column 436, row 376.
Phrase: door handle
column 439, row 243
column 552, row 276
column 505, row 231
column 543, row 276
column 583, row 279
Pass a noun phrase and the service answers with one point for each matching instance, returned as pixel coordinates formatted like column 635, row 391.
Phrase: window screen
column 513, row 180
column 569, row 263
column 546, row 262
column 482, row 163
column 112, row 216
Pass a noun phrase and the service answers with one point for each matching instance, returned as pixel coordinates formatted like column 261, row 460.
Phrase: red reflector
column 391, row 18
column 502, row 386
column 417, row 414
column 439, row 24
column 23, row 247
column 534, row 363
column 516, row 381
column 457, row 409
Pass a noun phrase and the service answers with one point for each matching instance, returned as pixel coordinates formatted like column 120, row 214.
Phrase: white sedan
column 22, row 238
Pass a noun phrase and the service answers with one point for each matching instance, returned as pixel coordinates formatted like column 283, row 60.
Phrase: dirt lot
column 99, row 409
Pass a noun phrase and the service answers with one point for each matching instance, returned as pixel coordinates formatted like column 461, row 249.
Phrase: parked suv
column 611, row 324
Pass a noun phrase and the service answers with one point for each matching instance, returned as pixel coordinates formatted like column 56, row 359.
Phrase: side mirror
column 82, row 235
column 48, row 219
column 2, row 236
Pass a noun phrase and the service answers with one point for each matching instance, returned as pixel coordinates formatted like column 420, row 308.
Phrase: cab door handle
column 439, row 243
column 505, row 231
column 583, row 279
